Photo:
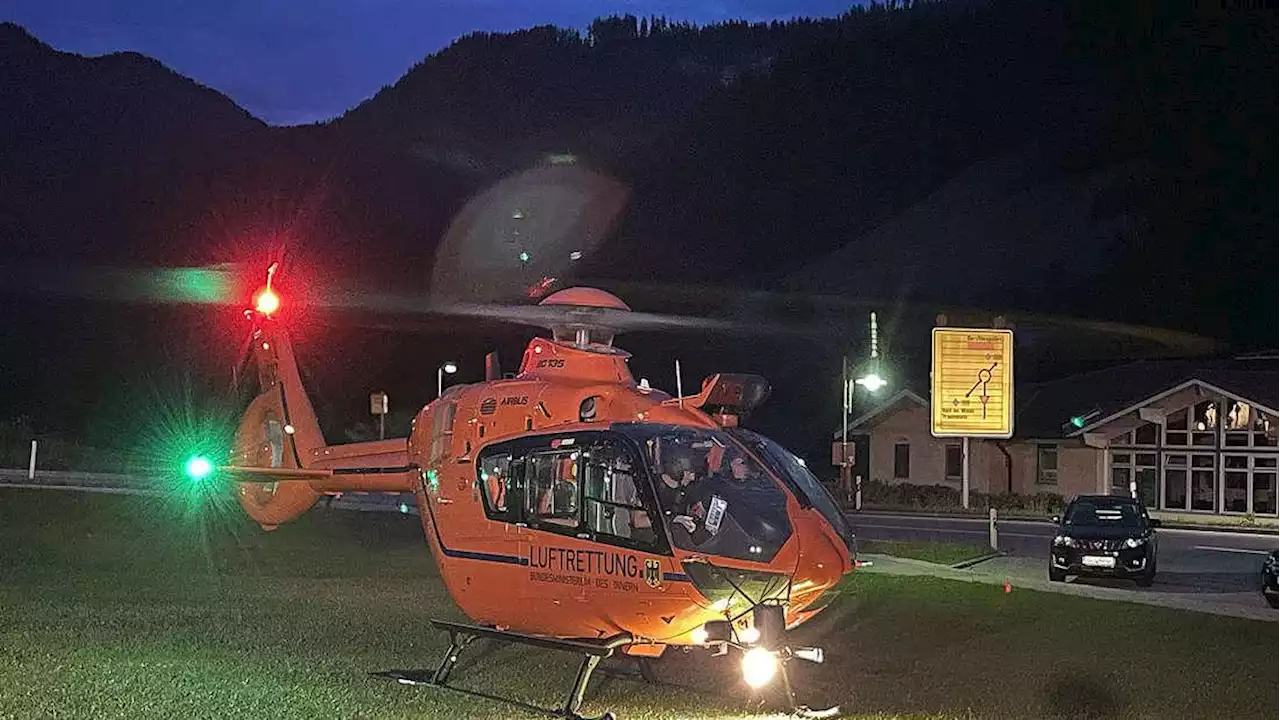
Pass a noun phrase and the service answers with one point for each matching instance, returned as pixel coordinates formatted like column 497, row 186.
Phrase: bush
column 942, row 497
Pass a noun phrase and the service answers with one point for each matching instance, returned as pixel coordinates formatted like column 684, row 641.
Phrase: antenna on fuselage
column 679, row 384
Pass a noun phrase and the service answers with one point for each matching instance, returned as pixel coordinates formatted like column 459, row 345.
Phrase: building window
column 1204, row 483
column 1204, row 432
column 1047, row 464
column 902, row 461
column 1235, row 483
column 1146, row 434
column 1264, row 485
column 1175, row 429
column 1136, row 471
column 1121, row 472
column 1176, row 478
column 954, row 462
column 1245, row 425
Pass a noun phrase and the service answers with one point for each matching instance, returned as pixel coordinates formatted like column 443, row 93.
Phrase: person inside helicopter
column 715, row 497
column 677, row 480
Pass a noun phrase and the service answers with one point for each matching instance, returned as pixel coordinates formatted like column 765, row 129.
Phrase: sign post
column 971, row 388
column 378, row 405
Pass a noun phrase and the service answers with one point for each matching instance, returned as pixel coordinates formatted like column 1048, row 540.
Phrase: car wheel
column 1056, row 575
column 1273, row 601
column 1146, row 578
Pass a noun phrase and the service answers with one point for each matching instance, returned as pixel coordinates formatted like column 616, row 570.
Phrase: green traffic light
column 198, row 467
column 1078, row 421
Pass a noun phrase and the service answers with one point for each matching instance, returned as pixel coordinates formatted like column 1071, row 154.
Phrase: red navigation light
column 267, row 302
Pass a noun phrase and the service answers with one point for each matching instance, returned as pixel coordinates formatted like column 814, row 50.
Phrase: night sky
column 293, row 62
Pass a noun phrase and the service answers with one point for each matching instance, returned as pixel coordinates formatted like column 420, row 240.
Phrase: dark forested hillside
column 1098, row 159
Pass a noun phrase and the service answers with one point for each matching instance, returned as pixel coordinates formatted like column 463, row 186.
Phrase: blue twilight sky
column 296, row 61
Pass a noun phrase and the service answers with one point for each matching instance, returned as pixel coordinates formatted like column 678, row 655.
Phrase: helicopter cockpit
column 715, row 498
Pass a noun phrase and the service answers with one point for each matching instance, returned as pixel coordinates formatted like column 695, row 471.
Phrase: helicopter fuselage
column 569, row 501
column 548, row 512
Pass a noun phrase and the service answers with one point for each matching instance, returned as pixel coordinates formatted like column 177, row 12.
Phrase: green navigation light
column 198, row 467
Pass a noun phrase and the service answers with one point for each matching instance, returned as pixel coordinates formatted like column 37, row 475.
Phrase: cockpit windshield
column 715, row 498
column 794, row 472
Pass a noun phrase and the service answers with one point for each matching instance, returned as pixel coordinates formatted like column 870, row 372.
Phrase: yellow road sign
column 972, row 383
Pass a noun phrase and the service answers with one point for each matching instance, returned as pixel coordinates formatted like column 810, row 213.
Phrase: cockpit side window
column 614, row 509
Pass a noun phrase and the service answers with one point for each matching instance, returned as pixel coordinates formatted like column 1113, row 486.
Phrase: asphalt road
column 1190, row 561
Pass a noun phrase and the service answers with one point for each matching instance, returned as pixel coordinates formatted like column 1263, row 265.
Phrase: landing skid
column 803, row 711
column 461, row 636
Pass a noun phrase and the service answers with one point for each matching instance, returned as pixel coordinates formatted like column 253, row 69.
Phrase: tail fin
column 280, row 460
column 279, row 429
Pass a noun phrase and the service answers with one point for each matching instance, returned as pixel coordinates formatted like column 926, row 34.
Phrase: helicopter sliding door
column 589, row 530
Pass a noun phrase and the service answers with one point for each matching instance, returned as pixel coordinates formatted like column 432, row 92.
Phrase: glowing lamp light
column 699, row 635
column 758, row 667
column 267, row 302
column 450, row 367
column 524, row 256
column 198, row 467
column 748, row 636
column 1077, row 421
column 872, row 382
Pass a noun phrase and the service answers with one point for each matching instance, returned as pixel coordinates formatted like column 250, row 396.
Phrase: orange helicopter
column 569, row 507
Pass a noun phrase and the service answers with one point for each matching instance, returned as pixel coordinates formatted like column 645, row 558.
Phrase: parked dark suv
column 1269, row 567
column 1104, row 536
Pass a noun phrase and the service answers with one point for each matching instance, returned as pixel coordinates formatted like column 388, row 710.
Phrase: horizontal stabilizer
column 269, row 475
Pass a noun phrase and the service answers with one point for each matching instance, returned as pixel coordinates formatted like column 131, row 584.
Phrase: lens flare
column 198, row 467
column 699, row 636
column 758, row 667
column 267, row 302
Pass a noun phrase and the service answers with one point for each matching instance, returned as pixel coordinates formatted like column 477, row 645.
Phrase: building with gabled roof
column 1184, row 436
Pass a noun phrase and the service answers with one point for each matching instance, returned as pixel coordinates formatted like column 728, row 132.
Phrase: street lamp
column 450, row 367
column 871, row 382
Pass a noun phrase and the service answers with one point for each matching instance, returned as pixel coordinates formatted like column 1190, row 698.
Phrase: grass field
column 943, row 553
column 115, row 607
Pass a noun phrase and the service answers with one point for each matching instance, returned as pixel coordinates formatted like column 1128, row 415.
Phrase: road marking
column 1232, row 550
